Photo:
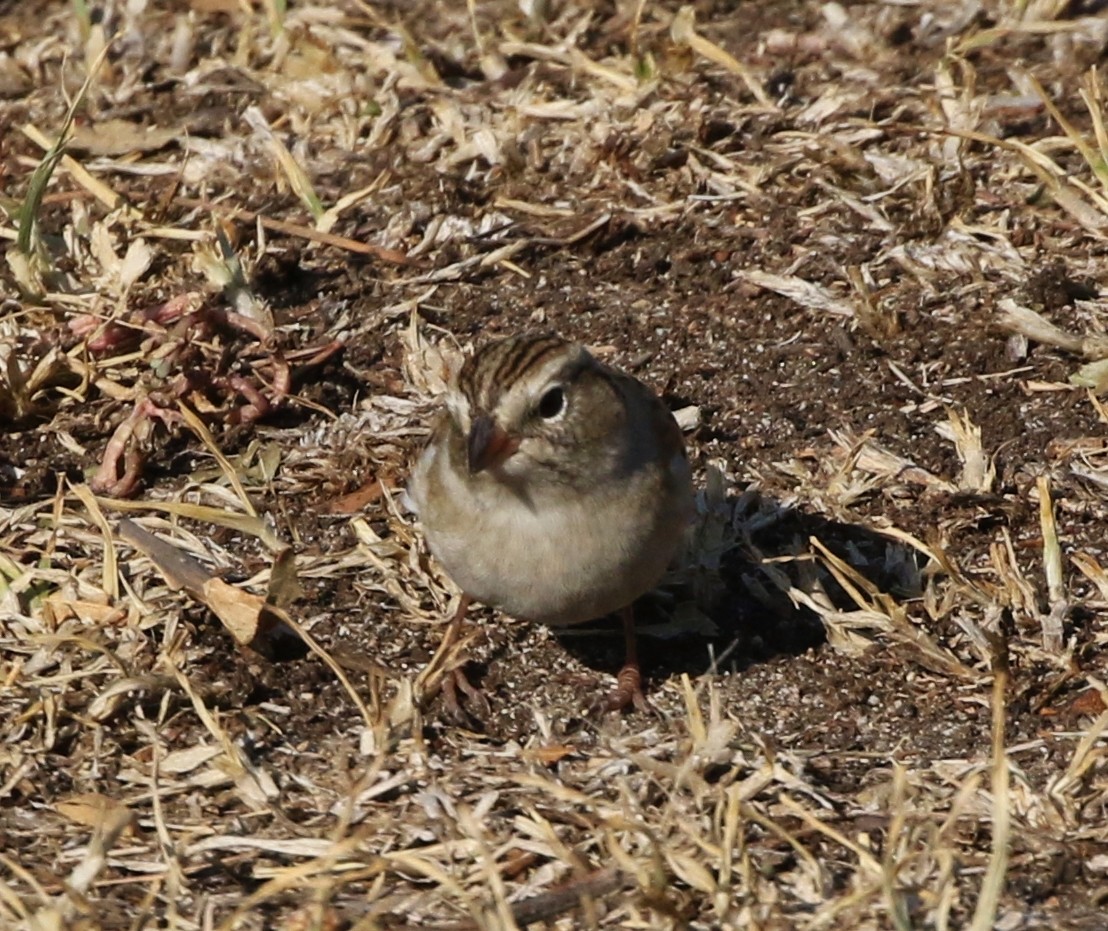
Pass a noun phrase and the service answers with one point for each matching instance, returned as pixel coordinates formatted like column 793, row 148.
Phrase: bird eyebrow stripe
column 517, row 357
column 527, row 356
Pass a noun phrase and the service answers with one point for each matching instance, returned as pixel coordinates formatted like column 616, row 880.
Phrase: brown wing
column 662, row 422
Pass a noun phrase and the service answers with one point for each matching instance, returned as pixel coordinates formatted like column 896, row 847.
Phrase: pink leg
column 628, row 689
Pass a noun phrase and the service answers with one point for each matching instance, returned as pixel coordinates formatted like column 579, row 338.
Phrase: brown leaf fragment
column 179, row 569
column 14, row 81
column 239, row 611
column 313, row 917
column 1089, row 702
column 92, row 810
column 215, row 6
column 247, row 617
column 550, row 754
column 358, row 499
column 120, row 137
column 59, row 607
column 284, row 583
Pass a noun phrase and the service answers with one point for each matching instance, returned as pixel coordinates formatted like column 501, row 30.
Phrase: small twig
column 393, row 256
column 984, row 915
column 546, row 905
column 1053, row 621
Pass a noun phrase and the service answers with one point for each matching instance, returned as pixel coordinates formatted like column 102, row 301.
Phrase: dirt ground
column 858, row 247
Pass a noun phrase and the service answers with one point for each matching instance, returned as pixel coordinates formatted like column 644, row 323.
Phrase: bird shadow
column 728, row 607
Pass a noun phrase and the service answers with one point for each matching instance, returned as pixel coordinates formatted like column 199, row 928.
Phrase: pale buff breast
column 559, row 560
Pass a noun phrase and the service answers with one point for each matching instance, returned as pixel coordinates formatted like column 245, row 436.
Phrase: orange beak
column 489, row 445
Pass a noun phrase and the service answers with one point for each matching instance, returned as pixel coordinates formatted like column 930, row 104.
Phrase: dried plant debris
column 859, row 248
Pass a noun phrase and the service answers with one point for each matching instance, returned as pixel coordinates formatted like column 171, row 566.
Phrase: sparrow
column 554, row 488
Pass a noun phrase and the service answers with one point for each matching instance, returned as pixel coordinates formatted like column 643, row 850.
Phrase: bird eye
column 552, row 404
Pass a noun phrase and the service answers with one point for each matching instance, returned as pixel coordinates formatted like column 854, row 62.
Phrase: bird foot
column 628, row 692
column 473, row 706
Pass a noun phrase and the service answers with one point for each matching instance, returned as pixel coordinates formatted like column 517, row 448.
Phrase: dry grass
column 251, row 196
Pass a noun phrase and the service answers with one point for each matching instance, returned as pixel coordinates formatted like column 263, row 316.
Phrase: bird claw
column 474, row 705
column 627, row 693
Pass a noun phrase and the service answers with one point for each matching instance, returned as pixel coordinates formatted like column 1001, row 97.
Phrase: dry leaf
column 120, row 137
column 91, row 809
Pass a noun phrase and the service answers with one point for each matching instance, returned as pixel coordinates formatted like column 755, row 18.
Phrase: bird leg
column 453, row 679
column 455, row 682
column 628, row 690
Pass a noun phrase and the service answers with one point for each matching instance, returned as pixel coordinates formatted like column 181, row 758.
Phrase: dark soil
column 786, row 393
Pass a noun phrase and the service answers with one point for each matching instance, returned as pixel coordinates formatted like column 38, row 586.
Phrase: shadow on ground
column 731, row 616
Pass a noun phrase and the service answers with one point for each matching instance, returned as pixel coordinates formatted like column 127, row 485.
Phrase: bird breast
column 559, row 558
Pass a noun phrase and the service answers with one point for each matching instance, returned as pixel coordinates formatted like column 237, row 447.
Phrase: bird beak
column 489, row 445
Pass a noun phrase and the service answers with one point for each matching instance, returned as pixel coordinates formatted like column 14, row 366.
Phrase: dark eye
column 552, row 404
